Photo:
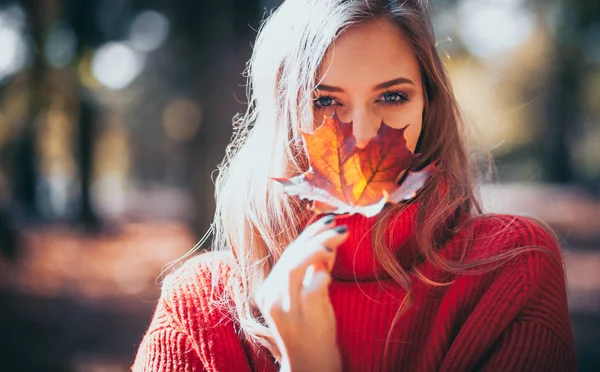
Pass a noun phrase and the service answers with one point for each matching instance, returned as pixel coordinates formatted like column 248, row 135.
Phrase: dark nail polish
column 341, row 229
column 330, row 250
column 327, row 219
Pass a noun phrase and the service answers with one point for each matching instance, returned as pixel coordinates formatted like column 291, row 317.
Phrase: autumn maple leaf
column 343, row 178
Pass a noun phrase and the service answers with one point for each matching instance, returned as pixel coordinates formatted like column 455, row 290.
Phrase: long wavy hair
column 255, row 220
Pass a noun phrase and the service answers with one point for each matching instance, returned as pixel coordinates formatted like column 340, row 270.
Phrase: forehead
column 369, row 53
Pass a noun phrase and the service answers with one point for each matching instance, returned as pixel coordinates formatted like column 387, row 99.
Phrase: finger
column 297, row 249
column 316, row 292
column 322, row 251
column 316, row 227
column 298, row 272
column 331, row 238
column 328, row 240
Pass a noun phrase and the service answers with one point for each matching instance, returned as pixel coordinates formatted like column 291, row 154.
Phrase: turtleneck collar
column 355, row 260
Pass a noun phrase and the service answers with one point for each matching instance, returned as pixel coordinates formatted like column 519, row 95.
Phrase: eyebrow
column 385, row 84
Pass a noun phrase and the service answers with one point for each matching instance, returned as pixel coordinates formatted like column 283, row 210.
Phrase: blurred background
column 115, row 113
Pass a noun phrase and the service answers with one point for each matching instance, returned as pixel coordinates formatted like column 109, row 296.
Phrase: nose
column 364, row 126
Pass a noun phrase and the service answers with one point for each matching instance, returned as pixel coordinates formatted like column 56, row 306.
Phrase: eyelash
column 404, row 98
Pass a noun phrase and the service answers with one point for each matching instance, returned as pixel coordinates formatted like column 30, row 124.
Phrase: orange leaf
column 345, row 179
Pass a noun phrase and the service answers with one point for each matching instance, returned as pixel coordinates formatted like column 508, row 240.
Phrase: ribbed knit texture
column 512, row 319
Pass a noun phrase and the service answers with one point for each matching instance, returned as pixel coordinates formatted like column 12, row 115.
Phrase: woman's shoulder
column 533, row 278
column 527, row 247
column 502, row 232
column 195, row 289
column 189, row 317
column 197, row 272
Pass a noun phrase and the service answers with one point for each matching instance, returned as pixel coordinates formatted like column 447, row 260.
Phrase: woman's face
column 371, row 74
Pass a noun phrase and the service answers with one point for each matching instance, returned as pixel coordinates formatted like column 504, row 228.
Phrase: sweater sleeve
column 167, row 349
column 187, row 332
column 521, row 321
column 528, row 346
column 540, row 337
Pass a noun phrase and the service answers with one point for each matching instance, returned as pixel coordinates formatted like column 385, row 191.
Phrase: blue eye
column 395, row 98
column 324, row 101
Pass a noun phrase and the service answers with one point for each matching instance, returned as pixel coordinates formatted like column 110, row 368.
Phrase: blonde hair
column 254, row 220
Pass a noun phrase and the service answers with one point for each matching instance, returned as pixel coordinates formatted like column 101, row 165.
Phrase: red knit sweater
column 512, row 319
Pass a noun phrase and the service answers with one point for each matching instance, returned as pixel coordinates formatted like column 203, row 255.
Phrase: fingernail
column 341, row 229
column 330, row 250
column 327, row 219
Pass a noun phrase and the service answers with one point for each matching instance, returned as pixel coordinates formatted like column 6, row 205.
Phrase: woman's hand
column 297, row 306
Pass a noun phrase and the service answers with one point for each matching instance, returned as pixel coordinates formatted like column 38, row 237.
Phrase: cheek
column 411, row 115
column 317, row 118
column 412, row 134
column 319, row 115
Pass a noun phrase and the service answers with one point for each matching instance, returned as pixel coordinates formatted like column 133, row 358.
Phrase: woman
column 427, row 285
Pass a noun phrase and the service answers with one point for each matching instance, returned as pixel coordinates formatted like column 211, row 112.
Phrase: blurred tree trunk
column 42, row 16
column 88, row 119
column 561, row 117
column 80, row 15
column 25, row 170
column 220, row 44
column 562, row 104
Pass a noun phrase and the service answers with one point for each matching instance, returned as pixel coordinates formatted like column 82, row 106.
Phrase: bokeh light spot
column 149, row 30
column 489, row 29
column 116, row 65
column 181, row 119
column 13, row 53
column 60, row 45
